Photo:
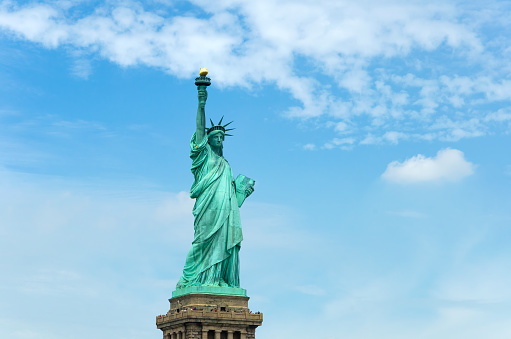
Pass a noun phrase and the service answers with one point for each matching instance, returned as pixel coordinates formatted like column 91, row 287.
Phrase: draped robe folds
column 213, row 259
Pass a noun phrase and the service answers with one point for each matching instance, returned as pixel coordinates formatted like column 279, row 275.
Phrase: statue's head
column 216, row 138
column 216, row 134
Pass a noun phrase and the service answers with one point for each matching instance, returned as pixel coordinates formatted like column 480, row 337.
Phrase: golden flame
column 203, row 72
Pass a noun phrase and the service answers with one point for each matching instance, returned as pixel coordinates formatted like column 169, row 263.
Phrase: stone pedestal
column 208, row 316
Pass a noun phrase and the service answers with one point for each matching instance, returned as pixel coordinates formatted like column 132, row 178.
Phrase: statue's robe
column 213, row 259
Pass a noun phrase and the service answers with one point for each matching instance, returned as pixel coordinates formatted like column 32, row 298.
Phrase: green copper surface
column 210, row 290
column 212, row 264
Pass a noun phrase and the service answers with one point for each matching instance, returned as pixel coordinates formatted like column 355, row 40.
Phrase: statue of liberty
column 213, row 259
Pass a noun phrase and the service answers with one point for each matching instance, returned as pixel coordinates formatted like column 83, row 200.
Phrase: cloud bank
column 448, row 165
column 380, row 72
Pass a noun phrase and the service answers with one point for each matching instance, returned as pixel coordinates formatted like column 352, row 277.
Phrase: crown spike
column 228, row 135
column 219, row 127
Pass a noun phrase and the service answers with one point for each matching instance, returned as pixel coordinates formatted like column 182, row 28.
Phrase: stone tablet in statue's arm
column 244, row 187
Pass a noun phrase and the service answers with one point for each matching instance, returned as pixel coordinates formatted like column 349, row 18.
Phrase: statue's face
column 216, row 140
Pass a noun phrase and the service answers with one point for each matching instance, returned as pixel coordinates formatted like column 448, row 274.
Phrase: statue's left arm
column 242, row 194
column 249, row 191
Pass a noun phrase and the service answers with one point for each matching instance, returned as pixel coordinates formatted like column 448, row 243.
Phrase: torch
column 202, row 80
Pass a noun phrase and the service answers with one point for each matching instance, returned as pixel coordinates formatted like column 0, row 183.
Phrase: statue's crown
column 219, row 127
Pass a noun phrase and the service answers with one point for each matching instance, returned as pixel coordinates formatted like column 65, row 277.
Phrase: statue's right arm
column 201, row 115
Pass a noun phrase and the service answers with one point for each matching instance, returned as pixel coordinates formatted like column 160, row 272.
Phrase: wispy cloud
column 108, row 247
column 448, row 164
column 342, row 143
column 75, row 242
column 309, row 147
column 82, row 68
column 479, row 283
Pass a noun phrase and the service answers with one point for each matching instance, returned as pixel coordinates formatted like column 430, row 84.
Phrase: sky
column 377, row 132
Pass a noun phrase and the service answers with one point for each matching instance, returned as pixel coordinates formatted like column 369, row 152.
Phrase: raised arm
column 201, row 115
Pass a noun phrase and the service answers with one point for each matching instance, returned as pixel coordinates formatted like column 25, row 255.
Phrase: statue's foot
column 223, row 283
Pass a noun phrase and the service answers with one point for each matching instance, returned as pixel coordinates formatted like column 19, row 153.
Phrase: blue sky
column 378, row 134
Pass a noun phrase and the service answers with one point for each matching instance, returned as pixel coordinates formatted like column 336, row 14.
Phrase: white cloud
column 365, row 48
column 341, row 127
column 502, row 115
column 454, row 130
column 343, row 143
column 370, row 139
column 448, row 165
column 393, row 136
column 309, row 147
